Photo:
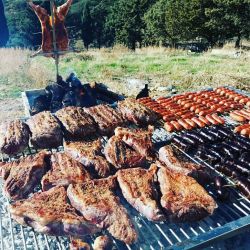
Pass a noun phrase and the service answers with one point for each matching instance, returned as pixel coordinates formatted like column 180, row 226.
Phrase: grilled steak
column 137, row 187
column 106, row 117
column 182, row 197
column 102, row 243
column 76, row 123
column 122, row 156
column 24, row 175
column 168, row 156
column 98, row 203
column 46, row 131
column 64, row 171
column 140, row 140
column 136, row 112
column 89, row 154
column 50, row 213
column 14, row 137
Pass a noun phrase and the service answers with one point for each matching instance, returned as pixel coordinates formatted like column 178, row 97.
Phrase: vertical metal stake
column 55, row 52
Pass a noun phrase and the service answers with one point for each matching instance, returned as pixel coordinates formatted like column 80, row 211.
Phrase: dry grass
column 162, row 67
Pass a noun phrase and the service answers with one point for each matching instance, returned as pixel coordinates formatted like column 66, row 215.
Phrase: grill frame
column 228, row 220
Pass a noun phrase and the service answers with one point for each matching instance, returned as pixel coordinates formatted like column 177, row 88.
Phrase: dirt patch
column 11, row 109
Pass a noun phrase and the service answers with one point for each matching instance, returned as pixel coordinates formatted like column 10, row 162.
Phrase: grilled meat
column 168, row 156
column 182, row 197
column 45, row 130
column 98, row 203
column 102, row 243
column 50, row 213
column 76, row 123
column 5, row 168
column 122, row 156
column 78, row 244
column 106, row 117
column 14, row 137
column 24, row 175
column 89, row 154
column 136, row 112
column 64, row 171
column 138, row 188
column 140, row 140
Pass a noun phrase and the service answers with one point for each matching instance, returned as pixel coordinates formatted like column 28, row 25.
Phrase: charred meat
column 138, row 188
column 14, row 137
column 97, row 203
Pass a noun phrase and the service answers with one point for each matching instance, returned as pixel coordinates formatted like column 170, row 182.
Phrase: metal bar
column 220, row 233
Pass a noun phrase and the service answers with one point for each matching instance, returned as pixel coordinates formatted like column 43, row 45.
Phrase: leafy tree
column 4, row 32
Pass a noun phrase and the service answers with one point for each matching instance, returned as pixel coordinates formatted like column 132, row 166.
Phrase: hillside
column 119, row 69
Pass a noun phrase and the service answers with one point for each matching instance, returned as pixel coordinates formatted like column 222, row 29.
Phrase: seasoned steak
column 14, row 137
column 64, row 171
column 25, row 175
column 137, row 113
column 183, row 198
column 102, row 243
column 97, row 203
column 139, row 139
column 122, row 156
column 45, row 130
column 50, row 213
column 89, row 154
column 106, row 117
column 168, row 156
column 76, row 123
column 138, row 188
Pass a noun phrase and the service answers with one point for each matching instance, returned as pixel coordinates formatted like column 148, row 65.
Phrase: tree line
column 136, row 23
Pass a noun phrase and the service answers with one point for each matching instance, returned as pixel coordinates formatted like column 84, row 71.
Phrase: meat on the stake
column 136, row 112
column 25, row 175
column 106, row 118
column 49, row 212
column 139, row 139
column 14, row 137
column 119, row 154
column 64, row 171
column 45, row 130
column 168, row 156
column 97, row 202
column 183, row 198
column 139, row 190
column 89, row 154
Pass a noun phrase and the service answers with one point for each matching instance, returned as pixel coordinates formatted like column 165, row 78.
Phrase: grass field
column 161, row 67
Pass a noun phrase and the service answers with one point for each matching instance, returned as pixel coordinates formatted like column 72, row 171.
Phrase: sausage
column 218, row 119
column 187, row 115
column 244, row 186
column 169, row 127
column 212, row 120
column 244, row 100
column 244, row 114
column 238, row 118
column 194, row 107
column 239, row 128
column 198, row 110
column 245, row 131
column 184, row 124
column 203, row 119
column 198, row 122
column 191, row 123
column 177, row 126
column 248, row 104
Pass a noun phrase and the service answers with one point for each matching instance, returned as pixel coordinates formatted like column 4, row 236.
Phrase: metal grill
column 229, row 219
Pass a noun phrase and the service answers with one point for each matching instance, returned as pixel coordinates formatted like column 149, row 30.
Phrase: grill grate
column 233, row 216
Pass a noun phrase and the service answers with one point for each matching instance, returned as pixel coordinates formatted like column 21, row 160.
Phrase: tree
column 4, row 32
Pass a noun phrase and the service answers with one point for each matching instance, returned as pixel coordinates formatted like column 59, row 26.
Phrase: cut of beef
column 119, row 154
column 64, row 171
column 98, row 203
column 168, row 156
column 25, row 175
column 183, row 198
column 138, row 188
column 137, row 113
column 89, row 154
column 46, row 131
column 76, row 123
column 50, row 213
column 14, row 137
column 106, row 117
column 139, row 139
